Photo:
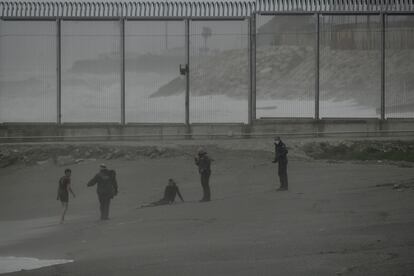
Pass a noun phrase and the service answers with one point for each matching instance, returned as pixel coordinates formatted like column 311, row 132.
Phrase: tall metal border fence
column 295, row 59
column 192, row 8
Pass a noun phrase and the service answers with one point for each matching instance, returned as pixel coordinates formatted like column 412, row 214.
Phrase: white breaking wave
column 12, row 264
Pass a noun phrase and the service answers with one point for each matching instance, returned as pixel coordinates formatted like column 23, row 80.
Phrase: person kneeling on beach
column 170, row 192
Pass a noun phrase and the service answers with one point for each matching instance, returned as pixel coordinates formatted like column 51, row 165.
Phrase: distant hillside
column 287, row 72
column 284, row 69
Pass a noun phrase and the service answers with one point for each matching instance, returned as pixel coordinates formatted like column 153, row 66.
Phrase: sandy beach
column 338, row 218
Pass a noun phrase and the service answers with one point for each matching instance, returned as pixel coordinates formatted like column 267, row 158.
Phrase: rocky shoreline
column 399, row 152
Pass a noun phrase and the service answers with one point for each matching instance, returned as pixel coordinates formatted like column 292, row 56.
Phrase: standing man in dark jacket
column 107, row 189
column 281, row 158
column 203, row 162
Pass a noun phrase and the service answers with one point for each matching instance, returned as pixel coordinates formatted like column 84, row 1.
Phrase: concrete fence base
column 25, row 132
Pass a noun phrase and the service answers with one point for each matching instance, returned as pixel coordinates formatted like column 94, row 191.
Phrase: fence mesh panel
column 28, row 79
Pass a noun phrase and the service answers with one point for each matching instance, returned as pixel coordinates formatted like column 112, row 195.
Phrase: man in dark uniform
column 107, row 189
column 281, row 158
column 170, row 192
column 203, row 162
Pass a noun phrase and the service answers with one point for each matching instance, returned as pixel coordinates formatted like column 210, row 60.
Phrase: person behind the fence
column 281, row 157
column 170, row 192
column 106, row 189
column 63, row 192
column 204, row 168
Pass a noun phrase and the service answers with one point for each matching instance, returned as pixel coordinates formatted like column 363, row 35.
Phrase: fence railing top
column 191, row 8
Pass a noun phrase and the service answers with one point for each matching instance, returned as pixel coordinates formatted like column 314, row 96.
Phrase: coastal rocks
column 398, row 186
column 65, row 160
column 379, row 151
column 44, row 162
column 7, row 158
column 64, row 155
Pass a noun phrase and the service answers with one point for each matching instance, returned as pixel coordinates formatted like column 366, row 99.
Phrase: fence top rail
column 192, row 8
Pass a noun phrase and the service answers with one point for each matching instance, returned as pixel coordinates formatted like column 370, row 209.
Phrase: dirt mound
column 288, row 72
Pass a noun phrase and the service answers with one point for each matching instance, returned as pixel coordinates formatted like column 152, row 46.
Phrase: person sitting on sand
column 63, row 192
column 170, row 192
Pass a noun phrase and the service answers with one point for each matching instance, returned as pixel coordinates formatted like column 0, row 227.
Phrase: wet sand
column 334, row 220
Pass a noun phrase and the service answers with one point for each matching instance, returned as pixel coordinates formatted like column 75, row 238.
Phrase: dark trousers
column 104, row 202
column 283, row 177
column 205, row 177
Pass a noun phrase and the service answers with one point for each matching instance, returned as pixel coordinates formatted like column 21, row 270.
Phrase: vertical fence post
column 252, row 104
column 187, row 75
column 122, row 71
column 1, row 21
column 317, row 57
column 59, row 71
column 383, row 17
column 250, row 54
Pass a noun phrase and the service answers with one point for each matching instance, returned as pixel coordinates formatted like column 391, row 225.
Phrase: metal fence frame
column 122, row 20
column 192, row 8
column 196, row 11
column 383, row 17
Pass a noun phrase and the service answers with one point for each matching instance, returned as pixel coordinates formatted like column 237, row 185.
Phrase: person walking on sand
column 281, row 157
column 203, row 161
column 63, row 192
column 106, row 189
column 170, row 192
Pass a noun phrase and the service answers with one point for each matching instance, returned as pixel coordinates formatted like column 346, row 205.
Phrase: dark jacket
column 170, row 192
column 112, row 175
column 203, row 162
column 106, row 185
column 280, row 152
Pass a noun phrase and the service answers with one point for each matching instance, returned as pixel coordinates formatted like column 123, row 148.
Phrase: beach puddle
column 12, row 264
